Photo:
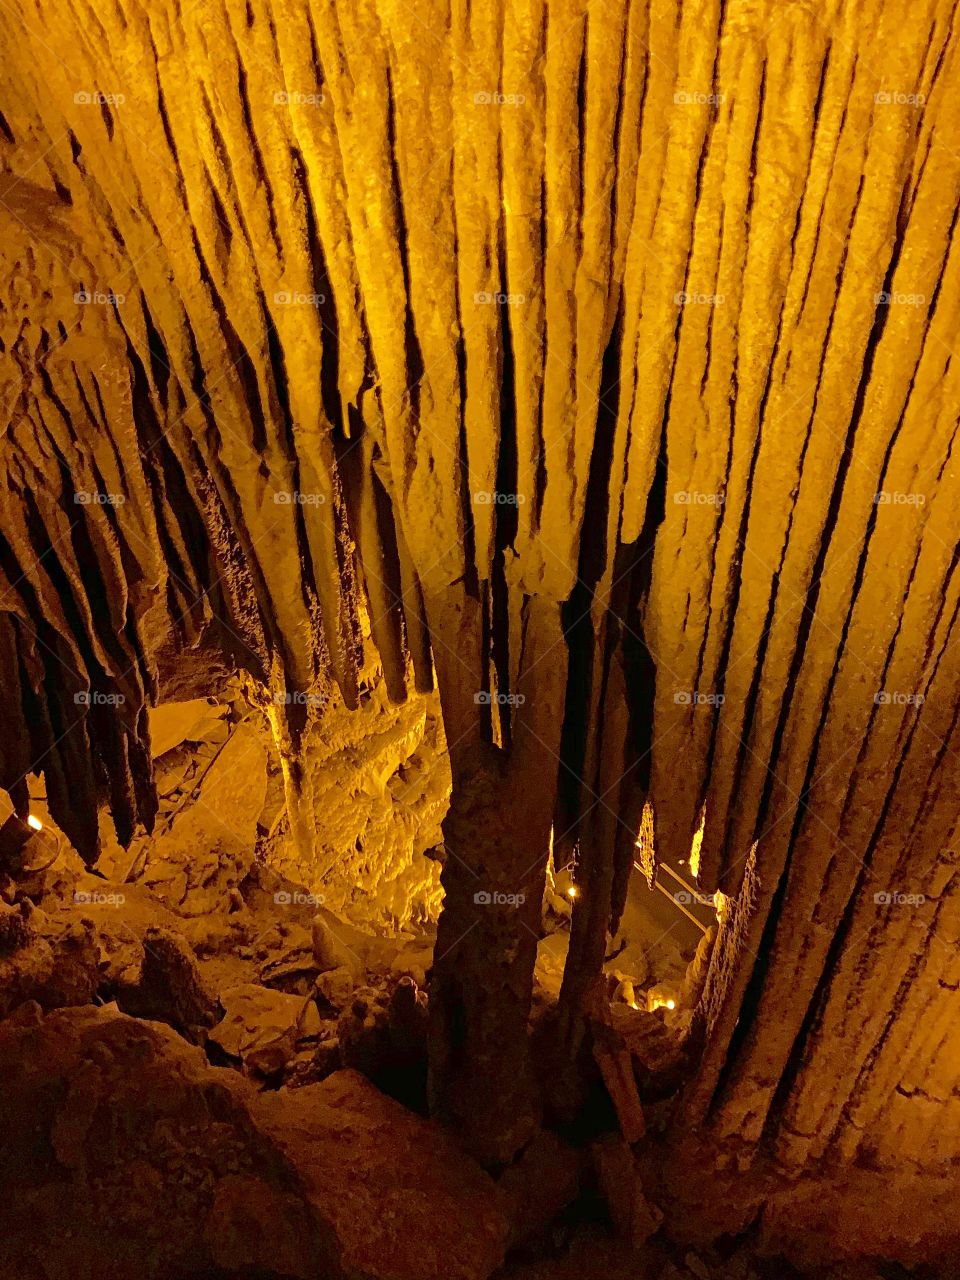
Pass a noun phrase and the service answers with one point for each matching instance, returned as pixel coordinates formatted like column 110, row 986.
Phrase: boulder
column 401, row 1198
column 174, row 722
column 126, row 1155
column 262, row 1027
column 337, row 987
column 52, row 960
column 540, row 1185
column 170, row 987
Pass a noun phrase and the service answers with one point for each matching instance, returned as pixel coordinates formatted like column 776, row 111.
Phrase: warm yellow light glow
column 697, row 843
column 35, row 823
column 572, row 891
column 655, row 1001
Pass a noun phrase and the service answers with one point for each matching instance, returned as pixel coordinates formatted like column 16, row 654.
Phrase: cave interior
column 479, row 633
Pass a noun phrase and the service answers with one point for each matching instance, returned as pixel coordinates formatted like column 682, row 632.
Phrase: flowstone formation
column 593, row 364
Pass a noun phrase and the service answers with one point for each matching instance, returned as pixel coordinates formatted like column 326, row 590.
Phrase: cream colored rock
column 262, row 1027
column 174, row 722
column 209, row 847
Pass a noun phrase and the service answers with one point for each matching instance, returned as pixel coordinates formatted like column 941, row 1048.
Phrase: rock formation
column 588, row 363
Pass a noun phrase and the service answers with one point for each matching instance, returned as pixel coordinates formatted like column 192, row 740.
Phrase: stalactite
column 597, row 356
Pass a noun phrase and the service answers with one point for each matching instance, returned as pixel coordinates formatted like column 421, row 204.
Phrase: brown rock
column 194, row 1171
column 183, row 1178
column 634, row 1217
column 170, row 987
column 49, row 960
column 337, row 987
column 540, row 1185
column 262, row 1027
column 398, row 1194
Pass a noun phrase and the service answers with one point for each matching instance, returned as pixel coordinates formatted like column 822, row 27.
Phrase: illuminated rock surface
column 583, row 372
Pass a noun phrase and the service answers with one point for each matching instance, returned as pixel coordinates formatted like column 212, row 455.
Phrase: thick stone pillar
column 497, row 838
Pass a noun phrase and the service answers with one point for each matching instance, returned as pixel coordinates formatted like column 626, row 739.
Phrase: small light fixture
column 34, row 821
column 573, row 891
column 671, row 1004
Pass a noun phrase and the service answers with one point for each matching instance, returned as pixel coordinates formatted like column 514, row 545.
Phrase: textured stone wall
column 632, row 319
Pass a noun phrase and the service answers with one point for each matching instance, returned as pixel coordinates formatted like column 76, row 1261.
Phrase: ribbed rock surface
column 640, row 318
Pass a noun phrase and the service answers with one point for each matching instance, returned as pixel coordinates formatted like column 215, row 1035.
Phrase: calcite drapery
column 512, row 303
